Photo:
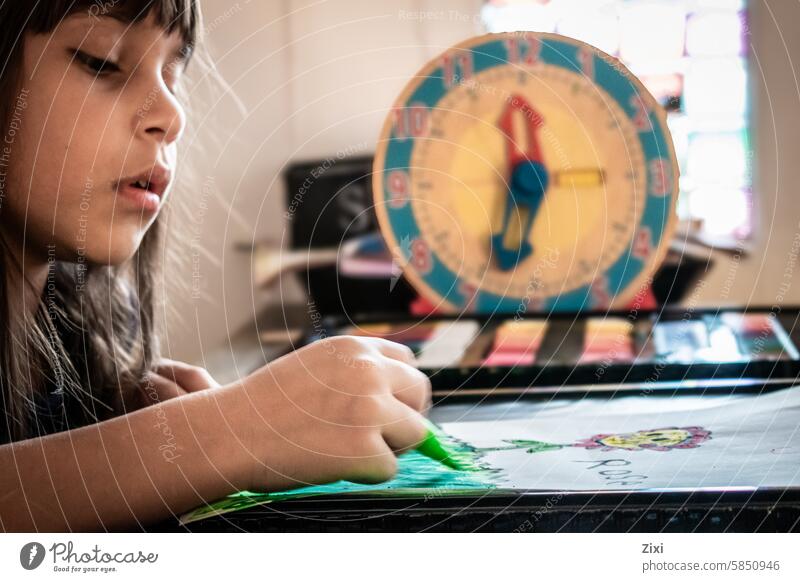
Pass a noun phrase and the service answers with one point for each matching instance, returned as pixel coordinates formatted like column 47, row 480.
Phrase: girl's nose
column 161, row 116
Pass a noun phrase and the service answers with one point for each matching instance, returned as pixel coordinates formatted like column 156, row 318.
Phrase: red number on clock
column 659, row 174
column 525, row 50
column 411, row 121
column 457, row 68
column 421, row 256
column 641, row 116
column 397, row 183
column 643, row 244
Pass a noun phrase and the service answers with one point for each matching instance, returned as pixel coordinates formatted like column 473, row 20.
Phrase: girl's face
column 94, row 151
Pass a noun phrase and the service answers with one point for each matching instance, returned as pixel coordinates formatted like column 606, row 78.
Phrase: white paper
column 742, row 442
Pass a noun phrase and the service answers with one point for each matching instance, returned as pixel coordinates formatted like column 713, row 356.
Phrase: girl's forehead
column 117, row 29
column 81, row 22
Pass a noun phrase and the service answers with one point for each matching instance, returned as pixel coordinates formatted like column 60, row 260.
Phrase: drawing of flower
column 659, row 439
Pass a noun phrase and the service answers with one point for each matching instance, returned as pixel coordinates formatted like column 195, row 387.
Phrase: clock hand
column 573, row 178
column 527, row 182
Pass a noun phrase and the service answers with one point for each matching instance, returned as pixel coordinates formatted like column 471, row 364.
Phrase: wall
column 767, row 276
column 317, row 77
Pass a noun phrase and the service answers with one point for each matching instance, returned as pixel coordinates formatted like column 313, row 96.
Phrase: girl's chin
column 115, row 254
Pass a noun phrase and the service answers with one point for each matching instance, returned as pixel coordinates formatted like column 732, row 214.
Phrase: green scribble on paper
column 417, row 477
column 530, row 446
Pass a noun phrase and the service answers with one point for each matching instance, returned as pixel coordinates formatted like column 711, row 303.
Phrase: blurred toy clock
column 526, row 171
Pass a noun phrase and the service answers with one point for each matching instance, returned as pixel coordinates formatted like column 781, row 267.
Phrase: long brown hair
column 92, row 337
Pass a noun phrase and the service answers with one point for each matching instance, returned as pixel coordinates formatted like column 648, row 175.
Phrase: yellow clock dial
column 526, row 169
column 459, row 176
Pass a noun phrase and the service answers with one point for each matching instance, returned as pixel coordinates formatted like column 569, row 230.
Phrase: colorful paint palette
column 468, row 344
column 436, row 344
column 516, row 343
column 608, row 340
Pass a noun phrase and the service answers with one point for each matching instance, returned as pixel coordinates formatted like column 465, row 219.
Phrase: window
column 692, row 55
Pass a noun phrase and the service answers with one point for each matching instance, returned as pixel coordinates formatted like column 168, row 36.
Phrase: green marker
column 433, row 448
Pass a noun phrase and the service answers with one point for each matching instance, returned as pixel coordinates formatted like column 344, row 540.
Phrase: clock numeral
column 397, row 185
column 586, row 60
column 411, row 121
column 643, row 244
column 641, row 115
column 421, row 256
column 512, row 50
column 457, row 68
column 470, row 293
column 524, row 50
column 659, row 174
column 600, row 295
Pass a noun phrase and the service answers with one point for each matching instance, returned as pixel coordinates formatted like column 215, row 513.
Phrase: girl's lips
column 146, row 188
column 143, row 199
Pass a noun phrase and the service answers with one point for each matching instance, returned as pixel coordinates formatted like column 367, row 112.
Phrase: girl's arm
column 337, row 409
column 138, row 468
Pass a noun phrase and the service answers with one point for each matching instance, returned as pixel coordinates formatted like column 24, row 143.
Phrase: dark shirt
column 55, row 409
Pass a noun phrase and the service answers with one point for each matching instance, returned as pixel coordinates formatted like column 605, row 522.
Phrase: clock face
column 526, row 171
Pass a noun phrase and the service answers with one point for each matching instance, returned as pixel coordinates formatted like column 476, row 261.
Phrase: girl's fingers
column 190, row 378
column 403, row 428
column 410, row 386
column 158, row 389
column 395, row 351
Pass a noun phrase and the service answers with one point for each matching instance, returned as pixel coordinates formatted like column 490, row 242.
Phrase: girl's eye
column 97, row 65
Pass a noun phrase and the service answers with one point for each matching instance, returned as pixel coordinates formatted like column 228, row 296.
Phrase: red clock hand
column 527, row 181
column 530, row 140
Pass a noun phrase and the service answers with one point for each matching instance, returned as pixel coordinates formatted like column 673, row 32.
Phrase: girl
column 96, row 430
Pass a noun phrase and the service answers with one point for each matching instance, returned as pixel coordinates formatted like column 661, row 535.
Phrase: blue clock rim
column 629, row 274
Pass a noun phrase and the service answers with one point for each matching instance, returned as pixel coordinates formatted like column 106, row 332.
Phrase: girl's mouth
column 146, row 189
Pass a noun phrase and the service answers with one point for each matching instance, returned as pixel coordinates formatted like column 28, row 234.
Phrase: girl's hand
column 171, row 378
column 340, row 408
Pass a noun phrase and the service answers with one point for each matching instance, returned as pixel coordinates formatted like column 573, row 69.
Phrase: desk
column 767, row 509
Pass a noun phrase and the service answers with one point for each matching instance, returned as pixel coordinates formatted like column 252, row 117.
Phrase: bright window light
column 692, row 55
